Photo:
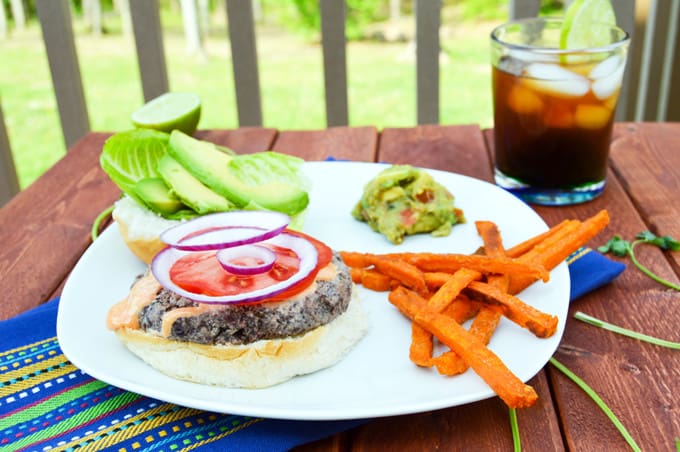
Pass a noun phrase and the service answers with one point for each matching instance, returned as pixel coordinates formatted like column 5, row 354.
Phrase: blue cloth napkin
column 589, row 270
column 46, row 402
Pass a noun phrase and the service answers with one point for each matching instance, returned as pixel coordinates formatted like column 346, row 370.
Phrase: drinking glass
column 553, row 111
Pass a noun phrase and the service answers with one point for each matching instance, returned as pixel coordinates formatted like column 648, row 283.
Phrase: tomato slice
column 408, row 218
column 201, row 272
column 325, row 254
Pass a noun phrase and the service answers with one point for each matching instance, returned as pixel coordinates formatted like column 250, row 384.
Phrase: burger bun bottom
column 258, row 365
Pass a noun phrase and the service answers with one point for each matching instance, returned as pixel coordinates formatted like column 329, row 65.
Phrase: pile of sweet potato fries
column 439, row 292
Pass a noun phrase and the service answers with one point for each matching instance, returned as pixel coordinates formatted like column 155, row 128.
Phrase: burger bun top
column 140, row 228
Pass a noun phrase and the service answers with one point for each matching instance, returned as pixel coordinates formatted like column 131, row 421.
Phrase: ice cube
column 524, row 101
column 559, row 116
column 510, row 65
column 556, row 80
column 604, row 87
column 530, row 56
column 515, row 60
column 550, row 72
column 605, row 68
column 592, row 116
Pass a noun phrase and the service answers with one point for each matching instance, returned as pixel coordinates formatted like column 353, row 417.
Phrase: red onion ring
column 225, row 229
column 306, row 251
column 229, row 257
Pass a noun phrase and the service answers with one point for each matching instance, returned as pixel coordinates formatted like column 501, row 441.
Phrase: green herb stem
column 647, row 271
column 517, row 444
column 626, row 332
column 94, row 233
column 598, row 401
column 620, row 247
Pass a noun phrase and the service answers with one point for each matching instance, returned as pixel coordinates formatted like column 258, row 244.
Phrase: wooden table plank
column 349, row 143
column 458, row 149
column 481, row 425
column 48, row 223
column 646, row 158
column 620, row 370
column 636, row 380
column 244, row 140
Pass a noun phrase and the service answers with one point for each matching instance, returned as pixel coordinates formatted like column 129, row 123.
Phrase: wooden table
column 46, row 228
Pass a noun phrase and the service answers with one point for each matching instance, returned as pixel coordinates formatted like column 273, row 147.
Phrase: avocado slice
column 157, row 196
column 211, row 166
column 189, row 189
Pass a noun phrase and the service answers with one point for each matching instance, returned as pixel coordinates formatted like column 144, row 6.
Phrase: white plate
column 376, row 378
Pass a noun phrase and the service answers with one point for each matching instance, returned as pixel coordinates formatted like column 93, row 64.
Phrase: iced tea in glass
column 553, row 111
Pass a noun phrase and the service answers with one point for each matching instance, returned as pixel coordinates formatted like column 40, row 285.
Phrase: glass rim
column 625, row 39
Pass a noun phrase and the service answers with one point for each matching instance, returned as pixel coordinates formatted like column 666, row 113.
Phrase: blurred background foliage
column 380, row 66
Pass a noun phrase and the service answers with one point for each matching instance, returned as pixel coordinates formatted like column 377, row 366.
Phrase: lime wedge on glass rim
column 587, row 24
column 168, row 112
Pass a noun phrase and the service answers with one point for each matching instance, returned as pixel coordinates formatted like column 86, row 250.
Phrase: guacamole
column 402, row 200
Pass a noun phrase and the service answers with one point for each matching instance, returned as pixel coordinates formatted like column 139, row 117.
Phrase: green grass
column 381, row 79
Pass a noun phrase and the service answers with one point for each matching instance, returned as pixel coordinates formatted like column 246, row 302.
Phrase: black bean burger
column 237, row 300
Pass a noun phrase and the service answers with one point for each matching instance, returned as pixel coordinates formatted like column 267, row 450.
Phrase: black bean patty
column 246, row 323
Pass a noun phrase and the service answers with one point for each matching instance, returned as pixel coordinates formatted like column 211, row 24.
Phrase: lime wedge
column 587, row 24
column 168, row 112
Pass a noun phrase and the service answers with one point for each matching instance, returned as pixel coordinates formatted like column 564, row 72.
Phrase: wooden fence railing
column 651, row 81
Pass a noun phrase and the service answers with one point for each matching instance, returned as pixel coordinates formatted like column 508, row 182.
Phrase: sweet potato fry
column 485, row 323
column 541, row 324
column 448, row 263
column 407, row 301
column 374, row 280
column 422, row 345
column 493, row 244
column 355, row 260
column 525, row 246
column 421, row 340
column 559, row 246
column 356, row 273
column 407, row 274
column 435, row 280
column 586, row 231
column 449, row 363
column 431, row 262
column 550, row 244
column 482, row 360
column 483, row 326
column 451, row 288
column 462, row 309
column 487, row 318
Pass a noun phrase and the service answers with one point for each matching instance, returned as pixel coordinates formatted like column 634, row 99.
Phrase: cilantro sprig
column 626, row 332
column 598, row 401
column 94, row 232
column 620, row 247
column 514, row 426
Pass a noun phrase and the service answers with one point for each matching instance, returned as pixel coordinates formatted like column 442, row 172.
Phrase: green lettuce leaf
column 264, row 167
column 130, row 156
